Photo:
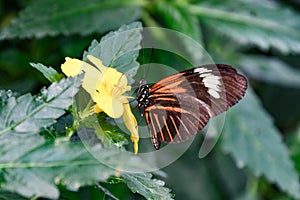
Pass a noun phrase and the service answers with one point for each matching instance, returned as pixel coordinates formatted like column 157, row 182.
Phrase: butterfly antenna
column 149, row 63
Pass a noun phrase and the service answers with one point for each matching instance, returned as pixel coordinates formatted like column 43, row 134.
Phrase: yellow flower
column 107, row 87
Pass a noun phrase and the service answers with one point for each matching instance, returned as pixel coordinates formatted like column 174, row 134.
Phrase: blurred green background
column 260, row 38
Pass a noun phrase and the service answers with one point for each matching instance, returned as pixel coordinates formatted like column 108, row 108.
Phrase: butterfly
column 180, row 105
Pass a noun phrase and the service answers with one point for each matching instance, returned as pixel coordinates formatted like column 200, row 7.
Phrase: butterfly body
column 180, row 105
column 143, row 96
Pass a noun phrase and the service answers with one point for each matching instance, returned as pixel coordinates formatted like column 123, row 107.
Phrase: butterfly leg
column 156, row 142
column 140, row 108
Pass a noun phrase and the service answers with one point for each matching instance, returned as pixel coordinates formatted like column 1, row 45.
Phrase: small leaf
column 145, row 185
column 52, row 17
column 270, row 70
column 107, row 192
column 119, row 49
column 251, row 137
column 51, row 74
column 29, row 114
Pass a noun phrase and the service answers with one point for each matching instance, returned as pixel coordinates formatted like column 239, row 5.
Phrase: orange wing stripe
column 175, row 127
column 167, row 128
column 159, row 127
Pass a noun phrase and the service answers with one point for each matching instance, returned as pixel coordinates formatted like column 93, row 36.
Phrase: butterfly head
column 143, row 82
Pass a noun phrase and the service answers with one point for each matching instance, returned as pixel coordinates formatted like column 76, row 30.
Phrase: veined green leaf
column 250, row 136
column 119, row 49
column 148, row 187
column 265, row 24
column 31, row 166
column 29, row 113
column 52, row 17
column 270, row 70
column 51, row 74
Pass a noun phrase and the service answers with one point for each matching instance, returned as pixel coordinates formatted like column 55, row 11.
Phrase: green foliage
column 293, row 141
column 257, row 133
column 109, row 134
column 31, row 162
column 258, row 22
column 261, row 38
column 119, row 49
column 179, row 19
column 51, row 74
column 149, row 188
column 28, row 114
column 271, row 70
column 32, row 166
column 48, row 17
column 7, row 196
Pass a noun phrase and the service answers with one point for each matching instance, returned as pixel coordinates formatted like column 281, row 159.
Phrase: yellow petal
column 131, row 125
column 73, row 67
column 97, row 62
column 97, row 109
column 123, row 81
column 113, row 107
column 115, row 79
column 111, row 78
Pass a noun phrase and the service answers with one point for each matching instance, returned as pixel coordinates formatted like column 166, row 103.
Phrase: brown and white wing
column 182, row 104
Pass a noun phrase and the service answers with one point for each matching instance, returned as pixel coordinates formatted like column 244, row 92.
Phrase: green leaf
column 270, row 69
column 9, row 196
column 29, row 113
column 107, row 192
column 31, row 166
column 51, row 74
column 145, row 185
column 253, row 140
column 52, row 17
column 181, row 20
column 109, row 134
column 5, row 95
column 266, row 24
column 119, row 49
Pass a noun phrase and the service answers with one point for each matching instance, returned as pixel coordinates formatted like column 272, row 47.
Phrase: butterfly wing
column 182, row 104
